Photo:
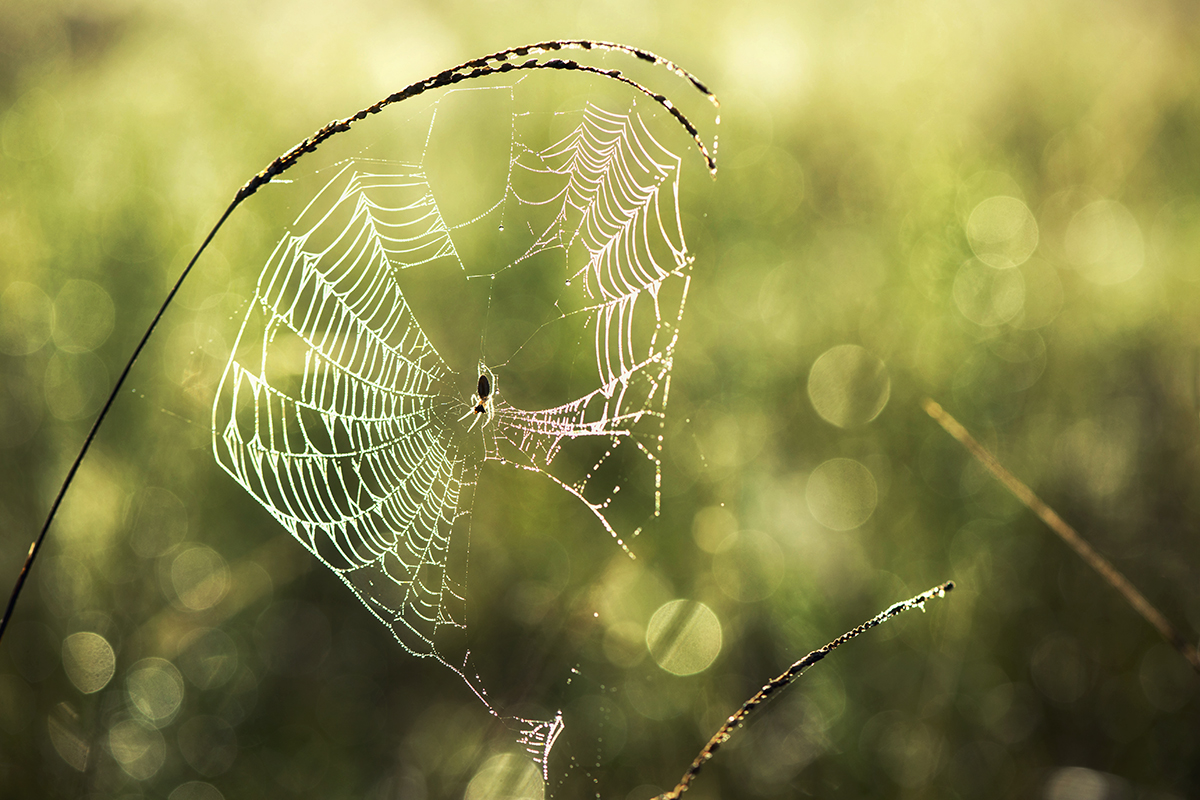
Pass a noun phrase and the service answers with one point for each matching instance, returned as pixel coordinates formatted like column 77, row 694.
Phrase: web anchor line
column 539, row 740
column 498, row 63
column 361, row 455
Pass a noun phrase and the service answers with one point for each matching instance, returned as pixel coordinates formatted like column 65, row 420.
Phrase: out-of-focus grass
column 883, row 166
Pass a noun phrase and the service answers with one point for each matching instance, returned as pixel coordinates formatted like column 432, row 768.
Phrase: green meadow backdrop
column 993, row 204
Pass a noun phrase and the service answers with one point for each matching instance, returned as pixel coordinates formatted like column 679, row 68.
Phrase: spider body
column 481, row 401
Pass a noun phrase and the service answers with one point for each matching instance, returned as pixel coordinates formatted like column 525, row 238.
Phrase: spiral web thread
column 339, row 416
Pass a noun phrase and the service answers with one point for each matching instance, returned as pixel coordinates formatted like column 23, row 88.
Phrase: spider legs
column 479, row 409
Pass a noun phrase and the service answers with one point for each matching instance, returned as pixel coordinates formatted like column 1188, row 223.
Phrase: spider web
column 342, row 414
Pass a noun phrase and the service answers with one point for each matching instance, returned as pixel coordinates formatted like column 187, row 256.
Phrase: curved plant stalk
column 535, row 57
column 1103, row 567
column 738, row 718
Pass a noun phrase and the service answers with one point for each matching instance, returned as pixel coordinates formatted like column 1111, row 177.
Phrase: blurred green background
column 993, row 204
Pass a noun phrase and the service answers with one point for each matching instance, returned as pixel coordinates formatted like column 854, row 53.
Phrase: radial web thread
column 340, row 416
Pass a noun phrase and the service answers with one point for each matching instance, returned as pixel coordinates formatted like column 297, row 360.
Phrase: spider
column 481, row 401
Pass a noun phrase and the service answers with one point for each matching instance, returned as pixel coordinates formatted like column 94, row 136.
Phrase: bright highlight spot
column 848, row 386
column 841, row 494
column 200, row 577
column 1002, row 232
column 1078, row 783
column 63, row 727
column 684, row 637
column 88, row 660
column 506, row 777
column 155, row 690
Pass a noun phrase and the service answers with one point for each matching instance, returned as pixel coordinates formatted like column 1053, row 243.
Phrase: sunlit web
column 340, row 415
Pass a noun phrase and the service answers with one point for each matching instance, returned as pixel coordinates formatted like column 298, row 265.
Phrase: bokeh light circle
column 155, row 690
column 841, row 494
column 506, row 776
column 138, row 747
column 1079, row 783
column 848, row 386
column 89, row 661
column 83, row 317
column 196, row 790
column 208, row 657
column 200, row 577
column 986, row 295
column 1002, row 231
column 684, row 637
column 1104, row 242
column 25, row 313
column 74, row 385
column 62, row 725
